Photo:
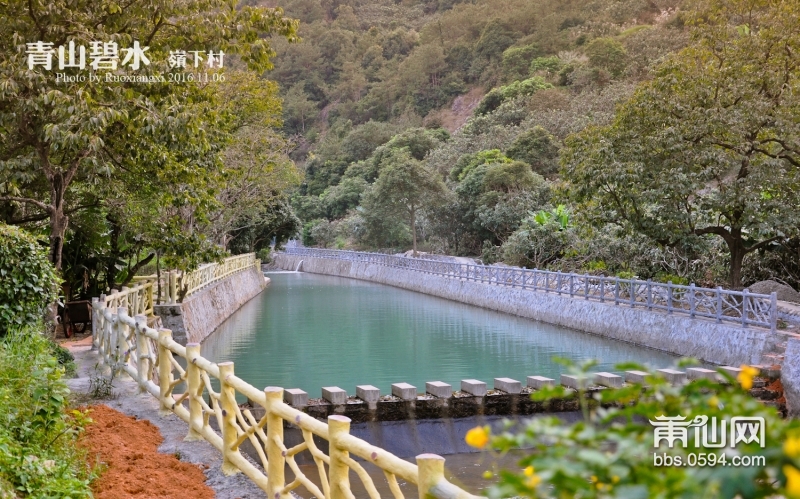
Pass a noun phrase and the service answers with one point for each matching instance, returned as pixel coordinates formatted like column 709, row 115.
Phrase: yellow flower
column 615, row 479
column 528, row 471
column 745, row 377
column 792, row 447
column 487, row 474
column 792, row 481
column 477, row 437
column 593, row 479
column 533, row 481
column 713, row 402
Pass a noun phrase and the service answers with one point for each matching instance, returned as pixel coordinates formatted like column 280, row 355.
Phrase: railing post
column 143, row 366
column 585, row 286
column 194, row 382
column 165, row 378
column 691, row 300
column 616, row 291
column 669, row 297
column 431, row 471
column 171, row 287
column 339, row 471
column 602, row 290
column 227, row 401
column 649, row 294
column 773, row 311
column 150, row 296
column 744, row 308
column 558, row 282
column 276, row 480
column 571, row 285
column 719, row 304
column 121, row 331
column 95, row 321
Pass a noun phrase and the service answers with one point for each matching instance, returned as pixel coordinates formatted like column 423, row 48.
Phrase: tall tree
column 404, row 188
column 55, row 132
column 711, row 146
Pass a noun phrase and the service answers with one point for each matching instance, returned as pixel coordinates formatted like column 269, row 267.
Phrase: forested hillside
column 444, row 125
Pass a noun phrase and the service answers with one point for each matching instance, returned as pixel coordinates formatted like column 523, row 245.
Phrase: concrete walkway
column 128, row 400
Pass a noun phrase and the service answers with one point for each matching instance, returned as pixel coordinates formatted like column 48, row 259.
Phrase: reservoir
column 308, row 331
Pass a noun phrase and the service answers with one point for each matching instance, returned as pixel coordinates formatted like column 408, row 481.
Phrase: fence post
column 164, row 372
column 669, row 297
column 616, row 291
column 571, row 285
column 95, row 321
column 142, row 352
column 585, row 286
column 558, row 282
column 773, row 311
column 150, row 295
column 719, row 304
column 649, row 294
column 195, row 389
column 171, row 287
column 633, row 293
column 602, row 289
column 339, row 471
column 275, row 459
column 431, row 471
column 744, row 308
column 546, row 282
column 121, row 331
column 227, row 402
column 691, row 300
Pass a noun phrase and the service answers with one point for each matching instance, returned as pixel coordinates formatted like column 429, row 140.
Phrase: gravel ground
column 127, row 399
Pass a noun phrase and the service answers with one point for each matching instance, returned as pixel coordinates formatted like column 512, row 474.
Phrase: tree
column 711, row 146
column 404, row 186
column 55, row 134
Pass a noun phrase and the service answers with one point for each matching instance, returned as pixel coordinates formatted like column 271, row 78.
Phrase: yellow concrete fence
column 127, row 344
column 177, row 285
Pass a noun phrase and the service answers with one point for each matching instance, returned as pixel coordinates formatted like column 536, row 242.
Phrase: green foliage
column 538, row 148
column 549, row 65
column 39, row 458
column 511, row 91
column 468, row 162
column 29, row 280
column 537, row 244
column 691, row 153
column 609, row 453
column 518, row 61
column 607, row 54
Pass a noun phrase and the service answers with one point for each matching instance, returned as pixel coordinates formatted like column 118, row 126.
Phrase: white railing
column 177, row 285
column 148, row 356
column 741, row 307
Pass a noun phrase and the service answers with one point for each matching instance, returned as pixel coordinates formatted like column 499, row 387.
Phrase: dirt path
column 135, row 468
column 168, row 438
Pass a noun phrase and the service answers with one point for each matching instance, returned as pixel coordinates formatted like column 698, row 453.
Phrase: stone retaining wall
column 702, row 339
column 202, row 312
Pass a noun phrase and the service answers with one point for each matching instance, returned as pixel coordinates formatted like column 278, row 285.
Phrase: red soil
column 135, row 468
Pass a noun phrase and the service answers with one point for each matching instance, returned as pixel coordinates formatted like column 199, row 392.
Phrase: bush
column 610, row 452
column 38, row 457
column 30, row 281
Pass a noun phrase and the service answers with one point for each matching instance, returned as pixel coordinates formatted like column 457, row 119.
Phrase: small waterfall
column 299, row 266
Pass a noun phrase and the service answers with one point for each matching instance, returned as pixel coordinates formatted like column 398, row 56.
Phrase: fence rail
column 177, row 285
column 741, row 307
column 150, row 357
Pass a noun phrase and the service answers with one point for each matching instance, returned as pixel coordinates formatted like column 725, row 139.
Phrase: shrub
column 610, row 452
column 38, row 457
column 30, row 281
column 498, row 95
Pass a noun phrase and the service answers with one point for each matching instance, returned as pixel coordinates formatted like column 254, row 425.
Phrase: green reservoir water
column 308, row 331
